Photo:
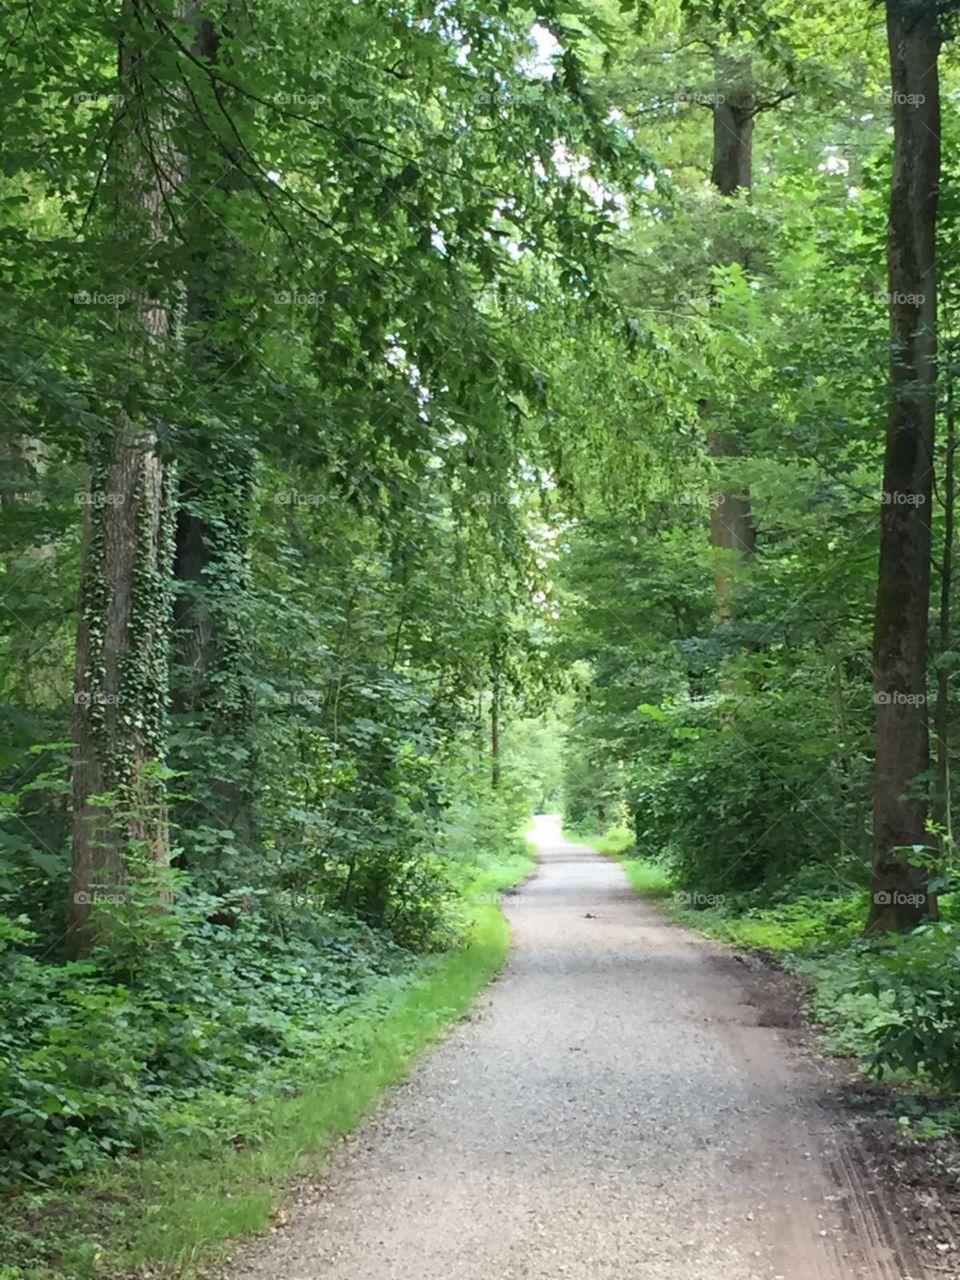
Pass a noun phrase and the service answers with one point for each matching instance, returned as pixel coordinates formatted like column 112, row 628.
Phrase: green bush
column 94, row 1061
column 746, row 790
column 897, row 1001
column 156, row 1032
column 803, row 924
column 616, row 841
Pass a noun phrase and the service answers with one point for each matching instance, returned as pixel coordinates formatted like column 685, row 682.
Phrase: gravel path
column 613, row 1111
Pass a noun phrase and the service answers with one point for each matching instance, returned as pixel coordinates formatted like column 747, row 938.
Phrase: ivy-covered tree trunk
column 903, row 587
column 731, row 523
column 212, row 655
column 119, row 804
column 941, row 801
column 119, row 824
column 212, row 702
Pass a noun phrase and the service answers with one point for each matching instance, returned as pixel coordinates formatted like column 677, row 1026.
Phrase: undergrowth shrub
column 615, row 842
column 95, row 1061
column 745, row 789
column 177, row 1012
column 896, row 1001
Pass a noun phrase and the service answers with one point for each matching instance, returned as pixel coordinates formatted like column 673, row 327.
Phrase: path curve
column 613, row 1111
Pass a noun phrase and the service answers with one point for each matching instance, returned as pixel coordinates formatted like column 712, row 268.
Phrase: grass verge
column 176, row 1212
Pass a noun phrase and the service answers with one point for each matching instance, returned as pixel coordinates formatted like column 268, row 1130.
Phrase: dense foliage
column 391, row 391
column 268, row 369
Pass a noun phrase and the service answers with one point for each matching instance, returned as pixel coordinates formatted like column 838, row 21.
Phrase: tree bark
column 731, row 522
column 212, row 701
column 733, row 116
column 942, row 806
column 903, row 588
column 495, row 732
column 212, row 697
column 121, row 678
column 122, row 655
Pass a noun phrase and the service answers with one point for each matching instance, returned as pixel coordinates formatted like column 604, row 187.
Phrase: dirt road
column 613, row 1111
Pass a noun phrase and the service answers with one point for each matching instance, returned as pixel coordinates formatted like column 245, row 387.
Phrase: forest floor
column 628, row 1099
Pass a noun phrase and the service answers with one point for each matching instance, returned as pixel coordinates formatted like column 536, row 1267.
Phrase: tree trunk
column 495, row 733
column 212, row 697
column 731, row 523
column 213, row 702
column 903, row 587
column 733, row 116
column 122, row 661
column 941, row 808
column 121, row 678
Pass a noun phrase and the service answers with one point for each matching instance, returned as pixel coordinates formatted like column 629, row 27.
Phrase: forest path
column 613, row 1111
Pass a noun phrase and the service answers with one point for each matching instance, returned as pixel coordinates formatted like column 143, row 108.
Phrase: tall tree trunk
column 903, row 587
column 941, row 806
column 731, row 523
column 212, row 697
column 495, row 732
column 122, row 663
